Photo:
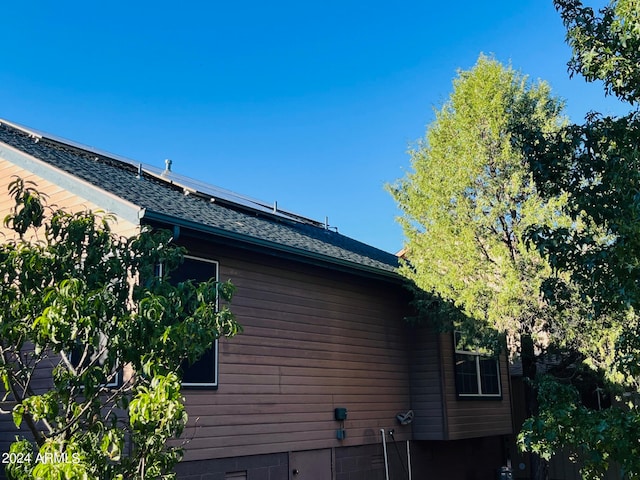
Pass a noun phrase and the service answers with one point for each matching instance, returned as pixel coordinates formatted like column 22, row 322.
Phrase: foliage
column 468, row 206
column 605, row 47
column 470, row 198
column 86, row 305
column 599, row 439
column 596, row 166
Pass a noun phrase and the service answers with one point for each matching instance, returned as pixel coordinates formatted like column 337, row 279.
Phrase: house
column 327, row 381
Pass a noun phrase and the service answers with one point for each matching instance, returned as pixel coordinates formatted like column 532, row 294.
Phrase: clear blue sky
column 310, row 103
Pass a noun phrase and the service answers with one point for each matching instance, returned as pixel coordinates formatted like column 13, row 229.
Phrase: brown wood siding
column 426, row 385
column 56, row 196
column 313, row 340
column 468, row 418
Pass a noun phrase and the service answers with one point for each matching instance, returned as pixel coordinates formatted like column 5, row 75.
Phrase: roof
column 176, row 200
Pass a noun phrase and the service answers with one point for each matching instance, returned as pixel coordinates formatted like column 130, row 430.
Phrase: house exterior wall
column 439, row 413
column 313, row 341
column 256, row 467
column 427, row 401
column 56, row 196
column 466, row 459
column 365, row 462
column 470, row 418
column 315, row 338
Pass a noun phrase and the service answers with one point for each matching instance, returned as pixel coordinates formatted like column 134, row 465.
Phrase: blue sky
column 311, row 104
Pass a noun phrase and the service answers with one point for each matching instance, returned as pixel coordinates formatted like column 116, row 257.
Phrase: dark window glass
column 489, row 376
column 204, row 372
column 466, row 374
column 477, row 375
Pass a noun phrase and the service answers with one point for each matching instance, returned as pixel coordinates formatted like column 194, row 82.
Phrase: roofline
column 135, row 213
column 38, row 135
column 190, row 185
column 111, row 203
column 297, row 253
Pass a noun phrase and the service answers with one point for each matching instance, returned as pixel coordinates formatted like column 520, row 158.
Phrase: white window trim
column 477, row 355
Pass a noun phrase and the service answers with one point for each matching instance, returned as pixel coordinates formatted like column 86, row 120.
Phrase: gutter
column 247, row 241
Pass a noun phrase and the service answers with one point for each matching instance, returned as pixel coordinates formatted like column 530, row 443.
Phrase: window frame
column 216, row 351
column 117, row 381
column 477, row 356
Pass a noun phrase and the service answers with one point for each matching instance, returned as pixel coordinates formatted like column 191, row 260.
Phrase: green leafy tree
column 597, row 166
column 606, row 46
column 86, row 308
column 468, row 202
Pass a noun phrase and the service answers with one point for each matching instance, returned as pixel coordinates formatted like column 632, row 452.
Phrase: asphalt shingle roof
column 157, row 195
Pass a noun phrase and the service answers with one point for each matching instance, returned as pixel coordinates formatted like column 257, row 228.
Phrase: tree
column 86, row 307
column 469, row 201
column 597, row 166
column 606, row 47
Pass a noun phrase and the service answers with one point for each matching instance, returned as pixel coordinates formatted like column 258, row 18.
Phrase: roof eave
column 248, row 241
column 96, row 195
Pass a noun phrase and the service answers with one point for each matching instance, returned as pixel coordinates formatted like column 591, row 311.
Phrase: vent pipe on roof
column 275, row 207
column 167, row 165
column 139, row 171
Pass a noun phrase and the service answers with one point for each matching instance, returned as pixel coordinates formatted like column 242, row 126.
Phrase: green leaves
column 17, row 413
column 596, row 437
column 595, row 259
column 112, row 444
column 69, row 303
column 157, row 412
column 470, row 198
column 485, row 211
column 28, row 211
column 158, row 406
column 598, row 166
column 607, row 46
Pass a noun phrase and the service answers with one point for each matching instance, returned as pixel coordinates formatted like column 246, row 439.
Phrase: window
column 204, row 372
column 477, row 373
column 83, row 356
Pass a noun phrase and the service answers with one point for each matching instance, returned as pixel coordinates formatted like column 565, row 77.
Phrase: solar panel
column 189, row 185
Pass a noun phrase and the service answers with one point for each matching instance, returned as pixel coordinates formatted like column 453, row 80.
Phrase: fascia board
column 316, row 258
column 107, row 201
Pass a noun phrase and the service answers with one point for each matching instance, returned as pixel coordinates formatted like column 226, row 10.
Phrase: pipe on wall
column 408, row 460
column 384, row 450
